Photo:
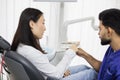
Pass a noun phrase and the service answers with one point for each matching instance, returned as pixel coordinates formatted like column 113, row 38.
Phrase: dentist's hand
column 81, row 52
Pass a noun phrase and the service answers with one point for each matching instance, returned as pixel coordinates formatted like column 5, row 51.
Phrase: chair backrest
column 21, row 68
column 4, row 45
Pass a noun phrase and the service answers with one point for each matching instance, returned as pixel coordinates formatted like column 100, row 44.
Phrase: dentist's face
column 38, row 28
column 103, row 34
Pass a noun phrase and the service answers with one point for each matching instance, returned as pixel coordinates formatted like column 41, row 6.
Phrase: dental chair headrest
column 4, row 45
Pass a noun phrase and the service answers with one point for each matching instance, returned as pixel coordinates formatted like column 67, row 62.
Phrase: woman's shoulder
column 31, row 53
column 25, row 46
column 22, row 48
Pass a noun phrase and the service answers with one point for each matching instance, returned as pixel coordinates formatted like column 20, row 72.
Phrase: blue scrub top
column 110, row 67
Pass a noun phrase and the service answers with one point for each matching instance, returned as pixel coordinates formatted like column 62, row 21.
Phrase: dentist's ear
column 110, row 31
column 31, row 23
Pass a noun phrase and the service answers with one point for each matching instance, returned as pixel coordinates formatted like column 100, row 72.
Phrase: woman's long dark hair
column 24, row 34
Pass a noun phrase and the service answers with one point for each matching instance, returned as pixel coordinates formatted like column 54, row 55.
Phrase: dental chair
column 18, row 66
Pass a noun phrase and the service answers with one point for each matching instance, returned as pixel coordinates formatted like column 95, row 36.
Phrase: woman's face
column 38, row 27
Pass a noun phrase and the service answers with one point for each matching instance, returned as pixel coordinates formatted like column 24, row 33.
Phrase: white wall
column 10, row 11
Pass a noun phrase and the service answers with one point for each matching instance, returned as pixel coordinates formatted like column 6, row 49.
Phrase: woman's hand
column 67, row 73
column 74, row 47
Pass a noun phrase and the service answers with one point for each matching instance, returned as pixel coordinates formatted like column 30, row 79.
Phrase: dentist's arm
column 91, row 60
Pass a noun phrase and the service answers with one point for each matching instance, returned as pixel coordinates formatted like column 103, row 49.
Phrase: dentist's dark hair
column 111, row 18
column 24, row 34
